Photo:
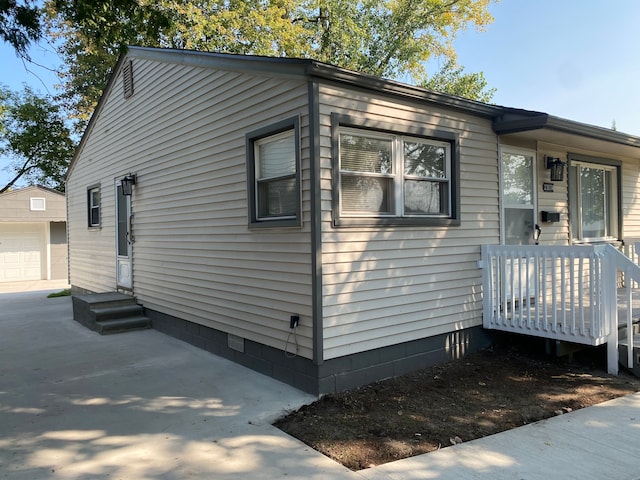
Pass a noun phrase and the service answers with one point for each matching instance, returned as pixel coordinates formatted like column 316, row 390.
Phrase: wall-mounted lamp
column 127, row 183
column 557, row 169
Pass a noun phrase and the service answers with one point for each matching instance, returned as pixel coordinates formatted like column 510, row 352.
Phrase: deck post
column 609, row 290
column 487, row 286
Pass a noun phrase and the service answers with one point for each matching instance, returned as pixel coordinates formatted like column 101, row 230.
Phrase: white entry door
column 124, row 239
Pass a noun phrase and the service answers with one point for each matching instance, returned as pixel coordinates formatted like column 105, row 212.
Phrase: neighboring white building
column 268, row 189
column 33, row 235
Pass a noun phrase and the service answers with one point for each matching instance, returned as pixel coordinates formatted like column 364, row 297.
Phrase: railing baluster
column 629, row 296
column 581, row 294
column 572, row 289
column 545, row 308
column 503, row 289
column 595, row 292
column 528, row 280
column 493, row 283
column 563, row 293
column 554, row 309
column 518, row 290
column 512, row 290
column 536, row 267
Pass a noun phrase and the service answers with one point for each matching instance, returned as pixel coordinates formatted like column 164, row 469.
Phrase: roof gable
column 34, row 189
column 505, row 119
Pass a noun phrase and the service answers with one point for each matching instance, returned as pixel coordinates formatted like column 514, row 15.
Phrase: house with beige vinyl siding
column 319, row 225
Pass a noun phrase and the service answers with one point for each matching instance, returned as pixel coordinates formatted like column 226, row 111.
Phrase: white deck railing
column 559, row 292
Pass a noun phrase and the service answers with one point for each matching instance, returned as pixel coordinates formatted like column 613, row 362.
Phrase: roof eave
column 327, row 72
column 314, row 69
column 510, row 123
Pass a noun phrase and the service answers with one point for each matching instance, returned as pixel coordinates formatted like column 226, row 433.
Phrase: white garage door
column 20, row 256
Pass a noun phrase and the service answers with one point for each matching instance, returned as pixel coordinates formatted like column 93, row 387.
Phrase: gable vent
column 127, row 79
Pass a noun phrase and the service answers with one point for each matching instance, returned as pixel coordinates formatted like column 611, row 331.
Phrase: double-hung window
column 594, row 194
column 388, row 177
column 93, row 206
column 273, row 173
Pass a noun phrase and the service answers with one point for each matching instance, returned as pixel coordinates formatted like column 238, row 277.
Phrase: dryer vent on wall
column 127, row 79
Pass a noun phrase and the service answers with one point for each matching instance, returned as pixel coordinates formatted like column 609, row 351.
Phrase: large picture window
column 594, row 192
column 273, row 173
column 388, row 177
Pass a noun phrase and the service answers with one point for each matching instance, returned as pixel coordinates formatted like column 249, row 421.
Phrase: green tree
column 391, row 38
column 451, row 79
column 34, row 139
column 19, row 24
column 387, row 38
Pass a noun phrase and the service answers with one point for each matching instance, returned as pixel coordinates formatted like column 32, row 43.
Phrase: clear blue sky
column 576, row 59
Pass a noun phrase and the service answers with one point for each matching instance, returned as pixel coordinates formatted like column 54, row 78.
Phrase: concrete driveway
column 139, row 405
column 142, row 405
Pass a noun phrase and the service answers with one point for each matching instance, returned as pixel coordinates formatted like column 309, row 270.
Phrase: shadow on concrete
column 77, row 405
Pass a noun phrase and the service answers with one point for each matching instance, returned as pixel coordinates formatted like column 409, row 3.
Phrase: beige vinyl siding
column 553, row 233
column 558, row 200
column 387, row 285
column 15, row 206
column 194, row 257
column 631, row 198
column 558, row 233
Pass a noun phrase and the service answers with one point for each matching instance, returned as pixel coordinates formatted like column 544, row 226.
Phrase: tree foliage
column 34, row 136
column 451, row 79
column 387, row 38
column 19, row 24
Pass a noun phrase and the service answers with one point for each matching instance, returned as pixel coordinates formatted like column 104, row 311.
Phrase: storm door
column 518, row 221
column 124, row 239
column 518, row 196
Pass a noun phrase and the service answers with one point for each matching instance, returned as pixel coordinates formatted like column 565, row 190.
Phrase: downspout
column 316, row 224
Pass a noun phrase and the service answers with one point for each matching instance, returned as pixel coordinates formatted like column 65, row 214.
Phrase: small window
column 273, row 173
column 93, row 203
column 37, row 204
column 384, row 177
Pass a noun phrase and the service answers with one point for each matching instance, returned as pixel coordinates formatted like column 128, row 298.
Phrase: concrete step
column 119, row 325
column 100, row 300
column 622, row 327
column 109, row 312
column 623, row 348
column 114, row 311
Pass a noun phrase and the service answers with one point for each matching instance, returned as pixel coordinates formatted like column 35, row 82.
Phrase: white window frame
column 397, row 175
column 611, row 207
column 91, row 207
column 258, row 180
column 38, row 204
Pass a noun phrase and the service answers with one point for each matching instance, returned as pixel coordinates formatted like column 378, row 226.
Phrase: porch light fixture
column 557, row 169
column 127, row 183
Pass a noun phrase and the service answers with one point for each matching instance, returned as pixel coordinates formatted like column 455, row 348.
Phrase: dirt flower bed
column 485, row 393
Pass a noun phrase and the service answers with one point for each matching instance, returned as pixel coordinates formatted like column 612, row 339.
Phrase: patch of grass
column 62, row 293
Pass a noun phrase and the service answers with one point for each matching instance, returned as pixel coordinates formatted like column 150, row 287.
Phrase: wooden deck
column 559, row 320
column 566, row 293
